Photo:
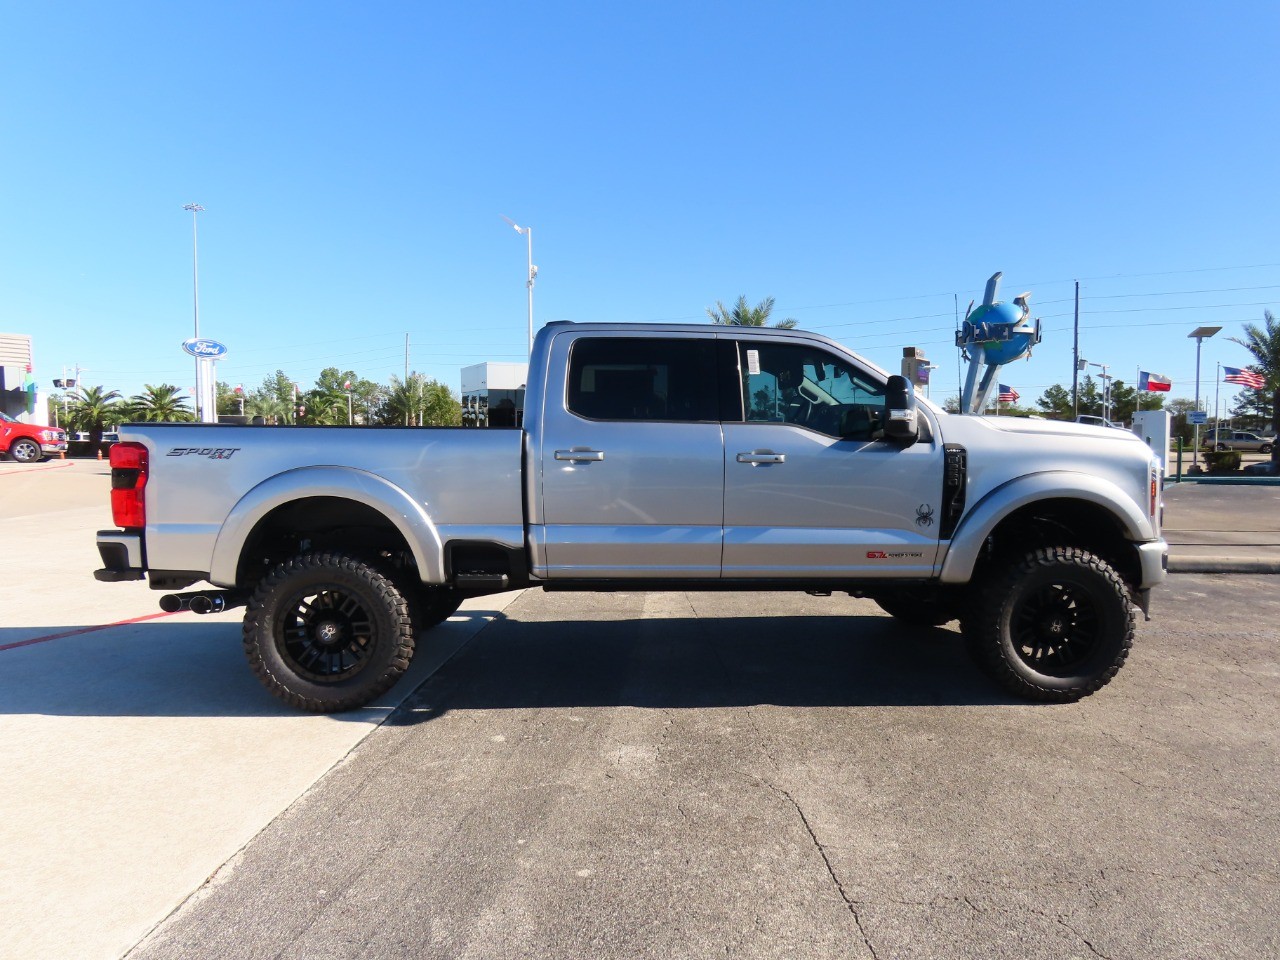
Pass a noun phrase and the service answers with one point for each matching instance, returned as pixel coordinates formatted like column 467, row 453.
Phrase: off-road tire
column 921, row 607
column 315, row 612
column 24, row 450
column 1055, row 626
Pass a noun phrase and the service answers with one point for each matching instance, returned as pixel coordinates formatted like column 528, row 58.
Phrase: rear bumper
column 121, row 553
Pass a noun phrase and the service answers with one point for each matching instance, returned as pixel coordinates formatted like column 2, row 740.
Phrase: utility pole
column 1075, row 368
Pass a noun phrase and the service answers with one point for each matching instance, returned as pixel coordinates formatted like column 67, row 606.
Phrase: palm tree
column 420, row 402
column 743, row 315
column 164, row 403
column 94, row 408
column 1264, row 343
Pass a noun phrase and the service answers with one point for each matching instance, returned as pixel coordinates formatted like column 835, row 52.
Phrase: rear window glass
column 617, row 378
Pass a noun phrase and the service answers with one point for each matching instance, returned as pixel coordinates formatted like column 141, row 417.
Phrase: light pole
column 1105, row 377
column 1201, row 334
column 533, row 273
column 196, row 209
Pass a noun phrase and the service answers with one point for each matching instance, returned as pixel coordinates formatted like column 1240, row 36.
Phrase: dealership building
column 493, row 394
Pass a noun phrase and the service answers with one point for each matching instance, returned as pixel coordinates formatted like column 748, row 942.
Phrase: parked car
column 30, row 442
column 1237, row 440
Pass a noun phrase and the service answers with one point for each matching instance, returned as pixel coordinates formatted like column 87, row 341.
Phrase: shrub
column 1226, row 461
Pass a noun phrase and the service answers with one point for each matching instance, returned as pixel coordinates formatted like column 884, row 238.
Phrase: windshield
column 5, row 418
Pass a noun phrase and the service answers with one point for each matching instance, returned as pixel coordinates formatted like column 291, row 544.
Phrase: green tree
column 162, row 404
column 743, row 315
column 1264, row 343
column 274, row 400
column 93, row 410
column 1252, row 409
column 419, row 402
column 228, row 401
column 1055, row 403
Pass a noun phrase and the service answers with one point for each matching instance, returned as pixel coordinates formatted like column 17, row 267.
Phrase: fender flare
column 986, row 515
column 346, row 483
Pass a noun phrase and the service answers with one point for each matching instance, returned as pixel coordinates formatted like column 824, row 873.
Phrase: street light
column 1105, row 377
column 195, row 209
column 1201, row 334
column 533, row 273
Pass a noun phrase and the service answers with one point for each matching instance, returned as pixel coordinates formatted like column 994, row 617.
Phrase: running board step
column 481, row 581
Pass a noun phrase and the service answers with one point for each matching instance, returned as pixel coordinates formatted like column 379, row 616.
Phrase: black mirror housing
column 900, row 425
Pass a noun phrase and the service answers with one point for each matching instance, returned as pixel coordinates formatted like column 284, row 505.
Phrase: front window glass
column 806, row 386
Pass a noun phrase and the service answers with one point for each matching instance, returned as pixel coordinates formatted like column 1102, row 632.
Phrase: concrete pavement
column 142, row 757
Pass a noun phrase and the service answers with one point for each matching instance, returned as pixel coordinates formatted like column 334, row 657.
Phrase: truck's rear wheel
column 327, row 632
column 1055, row 626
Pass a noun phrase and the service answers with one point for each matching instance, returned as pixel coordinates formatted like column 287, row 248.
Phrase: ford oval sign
column 203, row 349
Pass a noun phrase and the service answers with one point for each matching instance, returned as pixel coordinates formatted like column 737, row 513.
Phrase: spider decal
column 924, row 515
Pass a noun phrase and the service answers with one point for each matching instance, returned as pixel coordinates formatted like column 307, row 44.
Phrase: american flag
column 1246, row 378
column 1008, row 394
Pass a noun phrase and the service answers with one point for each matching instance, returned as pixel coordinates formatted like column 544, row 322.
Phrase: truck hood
column 1060, row 428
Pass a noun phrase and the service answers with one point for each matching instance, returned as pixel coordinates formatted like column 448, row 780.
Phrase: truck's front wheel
column 1055, row 626
column 327, row 632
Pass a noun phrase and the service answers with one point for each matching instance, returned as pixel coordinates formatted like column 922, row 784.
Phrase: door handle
column 762, row 458
column 572, row 455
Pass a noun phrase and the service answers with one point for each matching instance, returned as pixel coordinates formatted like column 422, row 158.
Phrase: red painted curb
column 76, row 633
column 56, row 465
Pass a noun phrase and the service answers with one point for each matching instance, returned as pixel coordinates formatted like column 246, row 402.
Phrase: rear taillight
column 128, row 484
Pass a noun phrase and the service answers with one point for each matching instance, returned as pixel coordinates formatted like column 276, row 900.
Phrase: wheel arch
column 342, row 507
column 1088, row 512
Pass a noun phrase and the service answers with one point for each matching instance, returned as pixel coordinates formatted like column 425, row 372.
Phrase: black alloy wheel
column 325, row 635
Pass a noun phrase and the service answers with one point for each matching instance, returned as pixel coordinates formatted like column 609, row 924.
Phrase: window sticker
column 753, row 362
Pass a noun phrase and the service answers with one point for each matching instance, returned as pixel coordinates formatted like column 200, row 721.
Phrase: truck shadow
column 198, row 669
column 803, row 661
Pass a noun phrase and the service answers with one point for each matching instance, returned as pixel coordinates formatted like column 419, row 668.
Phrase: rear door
column 632, row 459
column 808, row 491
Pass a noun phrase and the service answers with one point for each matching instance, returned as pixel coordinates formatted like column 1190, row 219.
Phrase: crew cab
column 30, row 443
column 652, row 457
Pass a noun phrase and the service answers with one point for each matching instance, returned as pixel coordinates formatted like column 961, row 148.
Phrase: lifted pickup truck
column 652, row 457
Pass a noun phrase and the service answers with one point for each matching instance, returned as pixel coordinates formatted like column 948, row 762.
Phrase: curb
column 1222, row 565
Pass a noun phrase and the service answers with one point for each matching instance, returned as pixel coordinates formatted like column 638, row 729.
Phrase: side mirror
column 900, row 412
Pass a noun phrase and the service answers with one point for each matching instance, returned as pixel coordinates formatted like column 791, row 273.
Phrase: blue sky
column 866, row 165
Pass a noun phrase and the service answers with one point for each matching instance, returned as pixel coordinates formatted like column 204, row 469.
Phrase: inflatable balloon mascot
column 994, row 334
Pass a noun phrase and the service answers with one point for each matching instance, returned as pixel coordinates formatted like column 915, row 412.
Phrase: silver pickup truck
column 652, row 457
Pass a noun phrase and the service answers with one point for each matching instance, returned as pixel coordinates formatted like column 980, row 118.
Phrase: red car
column 28, row 442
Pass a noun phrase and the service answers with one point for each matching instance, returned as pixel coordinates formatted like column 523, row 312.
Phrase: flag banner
column 1245, row 378
column 1008, row 394
column 1154, row 382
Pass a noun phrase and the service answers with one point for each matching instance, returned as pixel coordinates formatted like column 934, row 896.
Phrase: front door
column 809, row 492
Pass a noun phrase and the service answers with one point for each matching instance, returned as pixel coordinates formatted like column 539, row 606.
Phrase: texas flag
column 1154, row 382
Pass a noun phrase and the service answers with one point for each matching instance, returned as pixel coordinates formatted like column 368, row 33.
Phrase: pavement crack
column 848, row 901
column 1082, row 938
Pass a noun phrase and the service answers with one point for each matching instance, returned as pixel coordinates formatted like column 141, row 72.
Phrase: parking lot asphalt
column 625, row 775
